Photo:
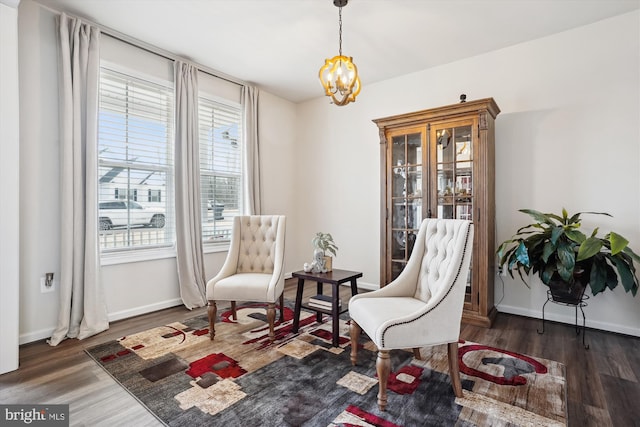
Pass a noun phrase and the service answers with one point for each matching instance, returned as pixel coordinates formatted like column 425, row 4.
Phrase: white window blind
column 221, row 146
column 135, row 154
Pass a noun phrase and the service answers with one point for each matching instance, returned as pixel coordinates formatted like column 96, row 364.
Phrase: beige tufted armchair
column 423, row 305
column 254, row 268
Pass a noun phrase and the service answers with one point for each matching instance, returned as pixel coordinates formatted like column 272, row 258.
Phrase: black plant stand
column 580, row 304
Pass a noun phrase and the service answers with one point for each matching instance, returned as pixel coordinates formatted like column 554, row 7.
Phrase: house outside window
column 121, row 194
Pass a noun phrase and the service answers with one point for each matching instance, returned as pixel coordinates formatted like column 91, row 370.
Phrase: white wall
column 575, row 94
column 130, row 288
column 568, row 136
column 9, row 194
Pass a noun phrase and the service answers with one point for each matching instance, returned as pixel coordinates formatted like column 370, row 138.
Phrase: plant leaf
column 547, row 274
column 522, row 255
column 556, row 232
column 632, row 254
column 589, row 248
column 538, row 216
column 575, row 235
column 597, row 213
column 598, row 277
column 618, row 243
column 547, row 251
column 575, row 218
column 626, row 277
column 566, row 256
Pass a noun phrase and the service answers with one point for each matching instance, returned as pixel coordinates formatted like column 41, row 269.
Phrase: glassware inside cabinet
column 406, row 173
column 454, row 172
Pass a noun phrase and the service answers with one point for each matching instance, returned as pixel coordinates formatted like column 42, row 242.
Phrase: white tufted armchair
column 423, row 305
column 254, row 268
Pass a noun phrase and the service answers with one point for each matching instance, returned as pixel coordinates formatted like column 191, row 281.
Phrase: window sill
column 125, row 257
column 210, row 248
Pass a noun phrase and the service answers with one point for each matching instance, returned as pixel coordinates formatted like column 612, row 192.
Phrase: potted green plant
column 566, row 259
column 323, row 242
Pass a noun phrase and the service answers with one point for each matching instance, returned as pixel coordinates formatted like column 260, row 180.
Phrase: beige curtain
column 190, row 256
column 82, row 307
column 253, row 189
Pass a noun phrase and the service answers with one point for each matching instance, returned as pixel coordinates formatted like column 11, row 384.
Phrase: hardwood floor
column 603, row 383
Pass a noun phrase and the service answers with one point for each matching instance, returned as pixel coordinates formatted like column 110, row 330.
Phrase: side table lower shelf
column 580, row 304
column 323, row 310
column 334, row 278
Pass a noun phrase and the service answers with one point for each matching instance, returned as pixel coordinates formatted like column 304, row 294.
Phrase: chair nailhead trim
column 464, row 250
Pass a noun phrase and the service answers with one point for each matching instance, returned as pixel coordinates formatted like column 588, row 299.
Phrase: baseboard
column 36, row 335
column 137, row 311
column 367, row 286
column 119, row 315
column 570, row 319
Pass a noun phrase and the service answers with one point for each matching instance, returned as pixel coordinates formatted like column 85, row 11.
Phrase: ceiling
column 279, row 45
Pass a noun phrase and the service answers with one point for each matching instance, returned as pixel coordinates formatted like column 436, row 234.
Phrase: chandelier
column 339, row 75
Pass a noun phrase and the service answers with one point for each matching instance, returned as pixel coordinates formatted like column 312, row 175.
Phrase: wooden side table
column 335, row 278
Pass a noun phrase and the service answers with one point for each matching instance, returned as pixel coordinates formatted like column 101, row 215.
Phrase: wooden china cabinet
column 439, row 163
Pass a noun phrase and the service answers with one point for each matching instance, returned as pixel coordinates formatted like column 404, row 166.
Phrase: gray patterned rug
column 185, row 379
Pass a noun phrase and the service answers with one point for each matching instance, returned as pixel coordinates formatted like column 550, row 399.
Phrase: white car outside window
column 122, row 213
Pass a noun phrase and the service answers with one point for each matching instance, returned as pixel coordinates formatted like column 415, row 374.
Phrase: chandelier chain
column 340, row 31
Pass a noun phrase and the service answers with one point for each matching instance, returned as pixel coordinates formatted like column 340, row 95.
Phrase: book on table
column 322, row 307
column 323, row 300
column 313, row 306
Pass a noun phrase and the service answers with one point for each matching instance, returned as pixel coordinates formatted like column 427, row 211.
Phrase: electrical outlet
column 500, row 271
column 43, row 285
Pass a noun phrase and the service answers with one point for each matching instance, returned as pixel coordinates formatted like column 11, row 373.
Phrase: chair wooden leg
column 454, row 368
column 211, row 311
column 383, row 367
column 271, row 318
column 282, row 307
column 354, row 333
column 234, row 315
column 416, row 353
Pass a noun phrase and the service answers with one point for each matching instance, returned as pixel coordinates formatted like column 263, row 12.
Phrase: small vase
column 328, row 262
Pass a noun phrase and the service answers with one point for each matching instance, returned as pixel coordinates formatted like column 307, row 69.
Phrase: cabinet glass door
column 406, row 214
column 454, row 176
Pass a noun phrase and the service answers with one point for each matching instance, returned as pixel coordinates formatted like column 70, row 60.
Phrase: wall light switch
column 44, row 288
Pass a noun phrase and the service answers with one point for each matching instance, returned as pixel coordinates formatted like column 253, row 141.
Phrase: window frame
column 143, row 253
column 223, row 244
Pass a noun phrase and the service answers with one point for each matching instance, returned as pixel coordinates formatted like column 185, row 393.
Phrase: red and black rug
column 241, row 379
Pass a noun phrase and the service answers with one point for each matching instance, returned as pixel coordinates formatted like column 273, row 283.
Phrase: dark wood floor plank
column 602, row 382
column 623, row 400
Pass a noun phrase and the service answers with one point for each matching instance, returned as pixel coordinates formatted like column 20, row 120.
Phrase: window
column 121, row 194
column 154, row 196
column 220, row 167
column 135, row 155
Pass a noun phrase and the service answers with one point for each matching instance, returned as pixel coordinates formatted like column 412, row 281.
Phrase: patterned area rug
column 185, row 379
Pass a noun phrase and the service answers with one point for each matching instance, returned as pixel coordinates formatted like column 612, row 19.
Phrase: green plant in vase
column 566, row 259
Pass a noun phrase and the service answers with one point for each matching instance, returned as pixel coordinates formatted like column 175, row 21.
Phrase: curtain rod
column 149, row 47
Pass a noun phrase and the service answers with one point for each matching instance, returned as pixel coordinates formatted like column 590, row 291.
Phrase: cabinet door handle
column 429, row 213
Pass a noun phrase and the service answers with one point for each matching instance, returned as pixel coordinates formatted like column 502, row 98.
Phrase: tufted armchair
column 254, row 268
column 423, row 305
